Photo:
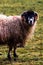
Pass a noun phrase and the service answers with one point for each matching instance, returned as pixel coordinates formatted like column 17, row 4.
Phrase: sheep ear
column 23, row 16
column 36, row 16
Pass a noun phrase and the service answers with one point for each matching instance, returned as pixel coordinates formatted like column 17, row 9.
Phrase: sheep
column 15, row 29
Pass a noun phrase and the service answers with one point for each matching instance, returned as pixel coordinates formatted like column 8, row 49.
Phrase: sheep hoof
column 9, row 58
column 15, row 59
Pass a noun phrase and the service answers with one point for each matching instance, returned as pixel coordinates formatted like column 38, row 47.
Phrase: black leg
column 9, row 57
column 15, row 55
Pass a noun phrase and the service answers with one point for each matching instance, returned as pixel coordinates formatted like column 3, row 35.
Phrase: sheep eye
column 28, row 18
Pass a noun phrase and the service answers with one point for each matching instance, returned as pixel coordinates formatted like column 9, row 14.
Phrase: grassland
column 32, row 54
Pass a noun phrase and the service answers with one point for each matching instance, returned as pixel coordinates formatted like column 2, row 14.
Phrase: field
column 32, row 54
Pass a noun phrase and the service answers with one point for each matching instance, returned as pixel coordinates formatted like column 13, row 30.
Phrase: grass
column 32, row 54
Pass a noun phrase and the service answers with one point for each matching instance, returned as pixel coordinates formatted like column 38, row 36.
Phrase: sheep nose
column 30, row 22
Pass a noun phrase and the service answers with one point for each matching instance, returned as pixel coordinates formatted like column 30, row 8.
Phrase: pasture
column 32, row 54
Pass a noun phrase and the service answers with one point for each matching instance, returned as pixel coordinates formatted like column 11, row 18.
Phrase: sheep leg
column 15, row 55
column 9, row 55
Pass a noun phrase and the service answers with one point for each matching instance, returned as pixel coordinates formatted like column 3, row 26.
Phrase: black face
column 30, row 17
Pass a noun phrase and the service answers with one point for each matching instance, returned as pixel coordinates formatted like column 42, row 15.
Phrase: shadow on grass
column 5, row 61
column 23, row 59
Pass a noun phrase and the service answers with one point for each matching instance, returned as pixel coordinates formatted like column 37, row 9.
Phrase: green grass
column 32, row 54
